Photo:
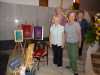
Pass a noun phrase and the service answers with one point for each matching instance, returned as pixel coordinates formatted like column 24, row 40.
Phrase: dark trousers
column 57, row 55
column 81, row 48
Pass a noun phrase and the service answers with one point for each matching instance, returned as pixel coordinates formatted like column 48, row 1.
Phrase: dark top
column 84, row 27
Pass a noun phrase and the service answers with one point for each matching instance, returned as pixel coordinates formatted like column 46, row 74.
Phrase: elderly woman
column 59, row 12
column 56, row 39
column 73, row 40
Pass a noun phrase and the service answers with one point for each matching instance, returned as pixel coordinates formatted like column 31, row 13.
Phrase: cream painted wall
column 67, row 3
column 24, row 13
column 24, row 10
column 54, row 3
column 51, row 3
column 25, row 2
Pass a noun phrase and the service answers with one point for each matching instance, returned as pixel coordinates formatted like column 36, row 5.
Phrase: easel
column 19, row 47
column 26, row 42
column 18, row 41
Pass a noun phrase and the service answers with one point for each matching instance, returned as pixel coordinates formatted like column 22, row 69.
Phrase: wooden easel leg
column 22, row 49
column 19, row 48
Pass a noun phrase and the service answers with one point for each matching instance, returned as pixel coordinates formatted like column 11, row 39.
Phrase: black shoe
column 76, row 74
column 54, row 63
column 59, row 65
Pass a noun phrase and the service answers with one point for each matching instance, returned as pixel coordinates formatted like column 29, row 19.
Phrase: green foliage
column 90, row 36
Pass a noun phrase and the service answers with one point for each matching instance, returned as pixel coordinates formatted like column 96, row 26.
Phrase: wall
column 25, row 2
column 92, row 6
column 24, row 13
column 54, row 3
column 51, row 3
column 67, row 3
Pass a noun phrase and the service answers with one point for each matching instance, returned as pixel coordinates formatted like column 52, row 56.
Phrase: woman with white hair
column 56, row 39
column 59, row 12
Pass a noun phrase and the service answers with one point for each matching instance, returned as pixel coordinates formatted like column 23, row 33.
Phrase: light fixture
column 16, row 21
column 74, row 1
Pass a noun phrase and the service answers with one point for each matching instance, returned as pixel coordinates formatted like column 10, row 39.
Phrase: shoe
column 59, row 65
column 68, row 67
column 75, row 73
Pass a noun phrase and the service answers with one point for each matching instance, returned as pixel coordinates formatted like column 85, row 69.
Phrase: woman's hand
column 50, row 45
column 62, row 46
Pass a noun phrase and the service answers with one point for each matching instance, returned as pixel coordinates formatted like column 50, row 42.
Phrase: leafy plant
column 90, row 36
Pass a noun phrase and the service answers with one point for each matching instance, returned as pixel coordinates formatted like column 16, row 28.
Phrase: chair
column 41, row 51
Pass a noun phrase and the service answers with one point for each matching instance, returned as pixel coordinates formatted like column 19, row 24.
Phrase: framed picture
column 18, row 35
column 27, row 30
column 15, row 62
column 38, row 33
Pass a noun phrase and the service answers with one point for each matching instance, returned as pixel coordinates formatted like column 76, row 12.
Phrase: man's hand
column 79, row 44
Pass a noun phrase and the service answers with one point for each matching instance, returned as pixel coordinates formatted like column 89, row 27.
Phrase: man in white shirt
column 56, row 39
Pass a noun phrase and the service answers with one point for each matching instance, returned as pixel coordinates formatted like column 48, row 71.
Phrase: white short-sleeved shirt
column 56, row 32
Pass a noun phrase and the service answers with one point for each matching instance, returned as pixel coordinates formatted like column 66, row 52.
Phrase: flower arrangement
column 93, row 33
column 97, row 25
column 95, row 55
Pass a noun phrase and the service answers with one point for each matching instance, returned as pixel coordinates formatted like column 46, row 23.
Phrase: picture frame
column 38, row 33
column 27, row 30
column 15, row 62
column 18, row 35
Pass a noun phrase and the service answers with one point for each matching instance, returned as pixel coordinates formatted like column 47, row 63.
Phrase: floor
column 4, row 57
column 52, row 69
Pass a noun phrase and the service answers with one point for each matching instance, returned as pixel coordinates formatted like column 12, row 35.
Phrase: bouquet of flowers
column 97, row 24
column 93, row 33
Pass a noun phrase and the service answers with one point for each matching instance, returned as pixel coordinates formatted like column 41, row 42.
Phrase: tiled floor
column 52, row 69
